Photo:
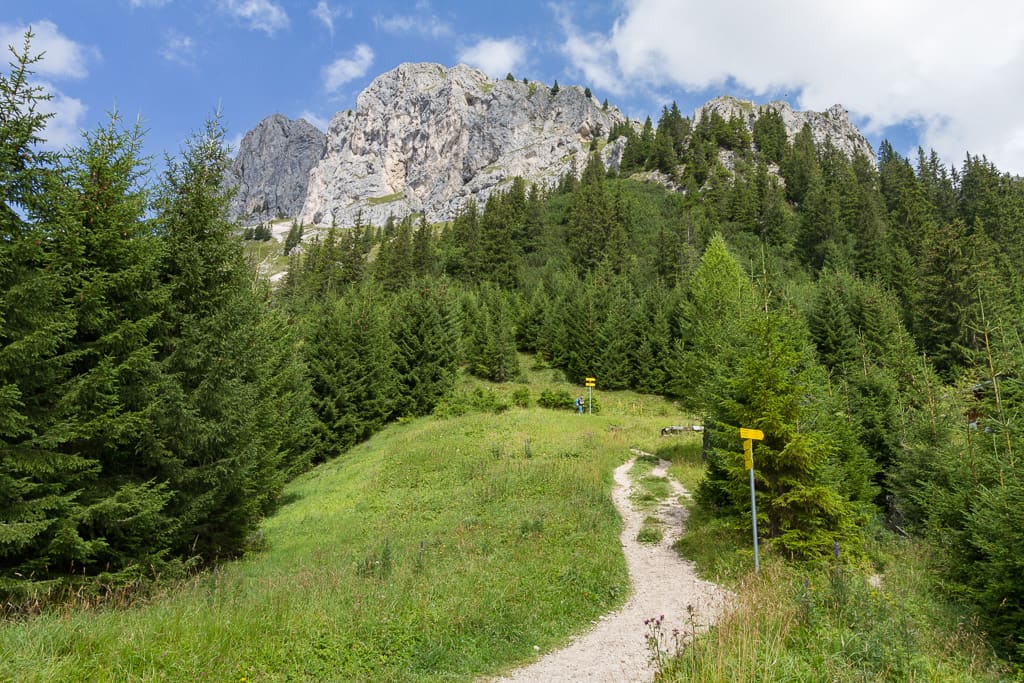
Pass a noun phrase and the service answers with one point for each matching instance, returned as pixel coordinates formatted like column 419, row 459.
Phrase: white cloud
column 345, row 69
column 65, row 127
column 261, row 15
column 64, row 58
column 495, row 57
column 955, row 69
column 326, row 14
column 179, row 48
column 590, row 54
column 149, row 3
column 421, row 24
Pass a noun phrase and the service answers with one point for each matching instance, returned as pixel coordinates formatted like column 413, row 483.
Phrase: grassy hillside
column 440, row 550
column 450, row 548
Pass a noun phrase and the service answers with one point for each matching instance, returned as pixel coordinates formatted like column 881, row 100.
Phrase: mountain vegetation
column 156, row 396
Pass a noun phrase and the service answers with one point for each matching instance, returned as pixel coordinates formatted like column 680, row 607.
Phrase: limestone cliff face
column 271, row 171
column 832, row 124
column 424, row 138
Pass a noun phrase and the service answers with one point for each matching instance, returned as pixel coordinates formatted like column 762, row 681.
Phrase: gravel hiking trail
column 663, row 584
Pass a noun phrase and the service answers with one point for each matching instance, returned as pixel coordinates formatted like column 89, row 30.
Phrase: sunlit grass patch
column 443, row 548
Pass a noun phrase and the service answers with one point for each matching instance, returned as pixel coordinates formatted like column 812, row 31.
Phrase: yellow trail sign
column 755, row 434
column 748, row 451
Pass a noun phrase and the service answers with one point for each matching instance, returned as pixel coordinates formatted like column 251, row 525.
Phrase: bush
column 479, row 400
column 558, row 399
column 521, row 397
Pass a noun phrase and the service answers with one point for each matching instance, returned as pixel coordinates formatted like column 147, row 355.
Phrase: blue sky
column 943, row 74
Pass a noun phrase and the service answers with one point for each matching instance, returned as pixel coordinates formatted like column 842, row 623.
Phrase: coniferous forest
column 156, row 395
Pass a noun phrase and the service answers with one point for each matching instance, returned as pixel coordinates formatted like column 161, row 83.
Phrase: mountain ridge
column 427, row 139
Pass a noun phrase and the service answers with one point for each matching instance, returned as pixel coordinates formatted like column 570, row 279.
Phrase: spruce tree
column 351, row 358
column 813, row 482
column 490, row 337
column 111, row 255
column 230, row 372
column 39, row 510
column 425, row 331
column 719, row 300
column 592, row 217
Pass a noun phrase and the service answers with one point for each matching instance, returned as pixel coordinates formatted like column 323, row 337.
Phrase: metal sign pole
column 753, row 505
column 749, row 436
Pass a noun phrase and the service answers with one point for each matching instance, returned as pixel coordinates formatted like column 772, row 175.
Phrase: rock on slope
column 424, row 138
column 271, row 171
column 832, row 124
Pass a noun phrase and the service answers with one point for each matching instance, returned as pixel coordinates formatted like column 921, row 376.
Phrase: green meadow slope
column 442, row 549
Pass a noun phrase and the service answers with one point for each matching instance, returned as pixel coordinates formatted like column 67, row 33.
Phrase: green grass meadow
column 446, row 549
column 441, row 549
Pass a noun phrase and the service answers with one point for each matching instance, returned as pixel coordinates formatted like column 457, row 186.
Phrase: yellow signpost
column 749, row 436
column 591, row 382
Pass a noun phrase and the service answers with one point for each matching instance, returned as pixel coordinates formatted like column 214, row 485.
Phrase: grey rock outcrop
column 428, row 139
column 832, row 124
column 271, row 170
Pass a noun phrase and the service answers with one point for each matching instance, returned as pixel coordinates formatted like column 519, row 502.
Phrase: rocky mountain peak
column 425, row 138
column 272, row 167
column 832, row 124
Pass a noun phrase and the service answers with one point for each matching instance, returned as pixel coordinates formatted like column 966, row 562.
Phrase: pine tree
column 394, row 266
column 500, row 256
column 638, row 150
column 293, row 238
column 799, row 164
column 218, row 420
column 351, row 358
column 490, row 338
column 770, row 136
column 109, row 401
column 592, row 218
column 425, row 332
column 719, row 300
column 38, row 483
column 461, row 245
column 351, row 258
column 615, row 365
column 811, row 481
column 422, row 249
column 583, row 313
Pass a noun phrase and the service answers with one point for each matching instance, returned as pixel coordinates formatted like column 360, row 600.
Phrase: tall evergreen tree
column 592, row 217
column 812, row 481
column 351, row 358
column 490, row 337
column 219, row 418
column 425, row 330
column 719, row 299
column 799, row 164
column 39, row 509
column 112, row 257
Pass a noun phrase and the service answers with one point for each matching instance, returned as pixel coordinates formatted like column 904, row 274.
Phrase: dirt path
column 662, row 583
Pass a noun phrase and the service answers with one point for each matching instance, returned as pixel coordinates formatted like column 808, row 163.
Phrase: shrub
column 558, row 399
column 521, row 397
column 479, row 400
